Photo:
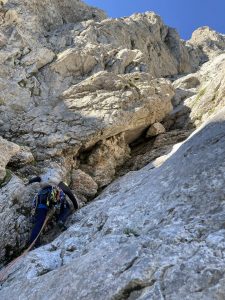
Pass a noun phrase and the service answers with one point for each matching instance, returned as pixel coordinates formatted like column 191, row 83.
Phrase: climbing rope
column 4, row 272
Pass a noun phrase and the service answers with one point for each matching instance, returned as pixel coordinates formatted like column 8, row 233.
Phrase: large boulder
column 157, row 232
column 103, row 160
column 119, row 103
column 83, row 184
column 155, row 129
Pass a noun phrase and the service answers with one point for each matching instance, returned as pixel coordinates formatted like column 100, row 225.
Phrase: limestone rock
column 210, row 97
column 46, row 15
column 74, row 62
column 13, row 97
column 163, row 52
column 123, row 102
column 155, row 129
column 155, row 149
column 199, row 95
column 15, row 207
column 99, row 107
column 153, row 232
column 49, row 55
column 126, row 61
column 211, row 42
column 3, row 40
column 83, row 184
column 77, row 89
column 37, row 59
column 7, row 150
column 105, row 158
column 23, row 157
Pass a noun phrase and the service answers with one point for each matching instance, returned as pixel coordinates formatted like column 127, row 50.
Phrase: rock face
column 23, row 157
column 155, row 233
column 84, row 98
column 155, row 149
column 61, row 59
column 47, row 62
column 199, row 95
column 7, row 150
column 210, row 41
column 105, row 158
column 15, row 205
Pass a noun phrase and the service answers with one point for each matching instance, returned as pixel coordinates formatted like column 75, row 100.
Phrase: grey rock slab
column 150, row 234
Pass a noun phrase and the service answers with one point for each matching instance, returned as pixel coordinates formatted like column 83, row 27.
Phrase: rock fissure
column 134, row 286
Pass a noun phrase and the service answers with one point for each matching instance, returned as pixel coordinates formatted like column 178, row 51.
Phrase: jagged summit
column 210, row 41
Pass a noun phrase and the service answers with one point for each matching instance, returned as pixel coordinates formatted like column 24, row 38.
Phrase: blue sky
column 184, row 15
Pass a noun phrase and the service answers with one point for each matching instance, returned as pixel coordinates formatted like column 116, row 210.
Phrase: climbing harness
column 49, row 196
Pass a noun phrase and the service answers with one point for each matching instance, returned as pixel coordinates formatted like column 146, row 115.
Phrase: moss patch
column 200, row 94
column 130, row 232
column 2, row 102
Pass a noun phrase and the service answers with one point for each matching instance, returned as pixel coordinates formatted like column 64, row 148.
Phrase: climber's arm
column 35, row 179
column 69, row 193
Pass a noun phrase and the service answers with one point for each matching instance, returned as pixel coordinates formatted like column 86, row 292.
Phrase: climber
column 52, row 195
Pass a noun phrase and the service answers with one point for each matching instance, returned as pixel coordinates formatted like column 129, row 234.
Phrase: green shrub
column 130, row 232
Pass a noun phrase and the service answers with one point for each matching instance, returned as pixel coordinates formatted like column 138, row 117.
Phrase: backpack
column 50, row 196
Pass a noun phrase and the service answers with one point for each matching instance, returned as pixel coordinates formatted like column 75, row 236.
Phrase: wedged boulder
column 153, row 232
column 83, row 184
column 155, row 129
column 95, row 109
column 117, row 103
column 105, row 158
column 7, row 150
